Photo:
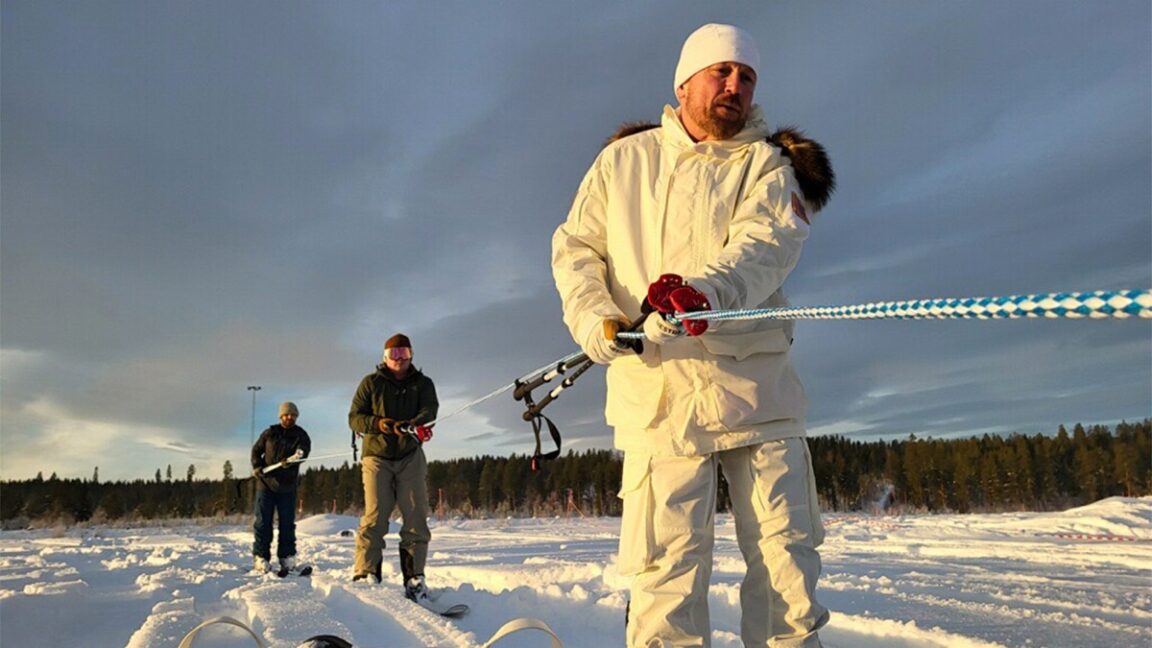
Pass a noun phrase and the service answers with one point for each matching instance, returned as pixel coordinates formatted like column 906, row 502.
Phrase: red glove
column 659, row 291
column 687, row 299
column 423, row 433
column 669, row 294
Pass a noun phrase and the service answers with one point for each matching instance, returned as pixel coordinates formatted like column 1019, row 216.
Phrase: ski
column 418, row 593
column 444, row 610
column 303, row 570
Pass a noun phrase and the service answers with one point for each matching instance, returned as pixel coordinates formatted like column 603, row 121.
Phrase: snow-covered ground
column 1076, row 578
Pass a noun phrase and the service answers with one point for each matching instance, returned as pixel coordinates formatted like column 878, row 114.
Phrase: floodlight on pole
column 252, row 434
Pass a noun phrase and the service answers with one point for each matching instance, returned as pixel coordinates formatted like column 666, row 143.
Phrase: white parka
column 730, row 218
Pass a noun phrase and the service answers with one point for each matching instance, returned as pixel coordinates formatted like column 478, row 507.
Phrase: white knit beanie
column 712, row 44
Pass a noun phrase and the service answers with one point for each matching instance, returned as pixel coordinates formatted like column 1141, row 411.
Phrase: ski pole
column 534, row 409
column 525, row 388
column 289, row 461
column 580, row 361
column 566, row 359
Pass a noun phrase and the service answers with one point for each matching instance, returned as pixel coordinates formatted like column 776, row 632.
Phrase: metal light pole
column 252, row 435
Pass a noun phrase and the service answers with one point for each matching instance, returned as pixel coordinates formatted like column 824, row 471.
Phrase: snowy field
column 1077, row 578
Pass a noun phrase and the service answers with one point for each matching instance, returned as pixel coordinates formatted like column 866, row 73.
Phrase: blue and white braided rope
column 1100, row 304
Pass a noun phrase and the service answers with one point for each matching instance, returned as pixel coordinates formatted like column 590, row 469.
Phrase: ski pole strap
column 539, row 458
column 534, row 416
column 534, row 412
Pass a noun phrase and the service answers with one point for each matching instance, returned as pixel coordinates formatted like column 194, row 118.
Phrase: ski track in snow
column 916, row 581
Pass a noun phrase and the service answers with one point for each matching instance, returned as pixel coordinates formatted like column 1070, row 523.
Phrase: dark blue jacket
column 277, row 444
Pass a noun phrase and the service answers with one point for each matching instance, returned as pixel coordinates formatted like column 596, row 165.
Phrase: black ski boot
column 414, row 588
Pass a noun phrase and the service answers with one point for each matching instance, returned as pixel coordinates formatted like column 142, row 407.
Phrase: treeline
column 575, row 484
column 989, row 473
column 985, row 474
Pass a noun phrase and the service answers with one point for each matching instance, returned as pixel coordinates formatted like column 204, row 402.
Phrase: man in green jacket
column 389, row 405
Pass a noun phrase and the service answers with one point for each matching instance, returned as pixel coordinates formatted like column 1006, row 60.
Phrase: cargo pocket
column 637, row 534
column 785, row 490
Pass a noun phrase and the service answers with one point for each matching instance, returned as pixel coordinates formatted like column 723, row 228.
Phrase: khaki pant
column 666, row 541
column 388, row 484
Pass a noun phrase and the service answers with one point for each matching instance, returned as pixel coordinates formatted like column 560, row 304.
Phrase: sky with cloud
column 201, row 196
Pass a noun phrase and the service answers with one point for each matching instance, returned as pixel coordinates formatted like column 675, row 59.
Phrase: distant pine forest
column 980, row 474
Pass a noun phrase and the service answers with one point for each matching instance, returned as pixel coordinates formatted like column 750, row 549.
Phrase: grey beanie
column 288, row 407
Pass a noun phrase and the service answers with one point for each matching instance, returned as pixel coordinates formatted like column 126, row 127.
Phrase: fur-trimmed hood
column 809, row 159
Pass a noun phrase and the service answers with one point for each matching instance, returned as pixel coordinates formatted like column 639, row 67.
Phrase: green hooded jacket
column 382, row 395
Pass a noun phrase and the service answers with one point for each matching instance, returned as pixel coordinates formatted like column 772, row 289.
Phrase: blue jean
column 284, row 506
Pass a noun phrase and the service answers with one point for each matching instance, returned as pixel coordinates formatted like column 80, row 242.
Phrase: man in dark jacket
column 276, row 490
column 388, row 407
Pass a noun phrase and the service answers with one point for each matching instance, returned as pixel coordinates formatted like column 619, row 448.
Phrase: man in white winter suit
column 705, row 197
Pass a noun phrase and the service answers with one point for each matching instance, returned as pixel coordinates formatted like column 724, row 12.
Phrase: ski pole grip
column 636, row 345
column 535, row 409
column 525, row 388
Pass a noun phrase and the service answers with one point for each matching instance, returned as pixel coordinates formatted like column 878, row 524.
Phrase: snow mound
column 333, row 525
column 852, row 631
column 1114, row 518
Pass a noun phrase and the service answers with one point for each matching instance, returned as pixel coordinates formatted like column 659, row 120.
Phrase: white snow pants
column 666, row 540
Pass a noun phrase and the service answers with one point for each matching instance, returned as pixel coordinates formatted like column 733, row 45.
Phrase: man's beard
column 715, row 124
